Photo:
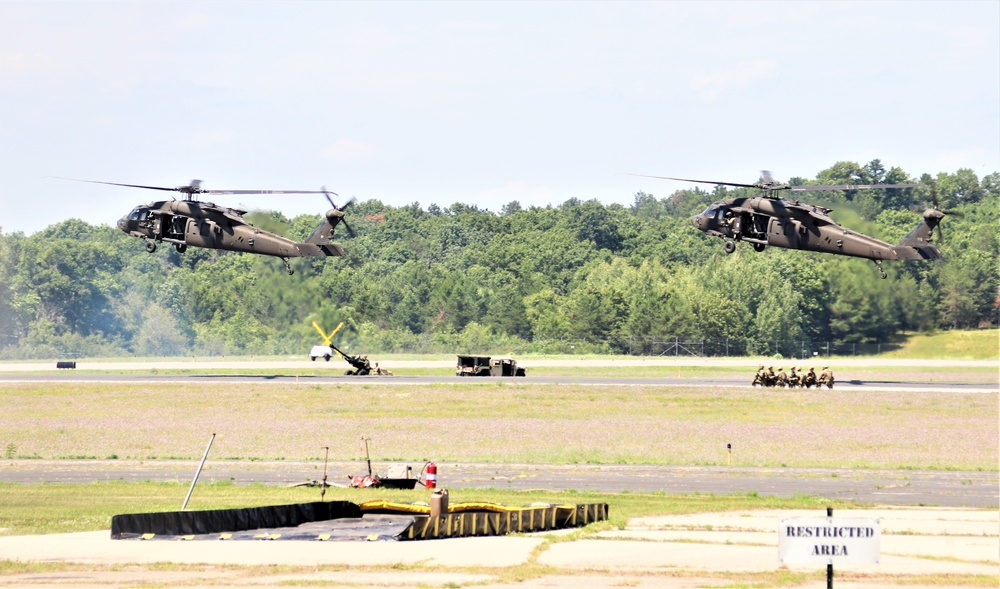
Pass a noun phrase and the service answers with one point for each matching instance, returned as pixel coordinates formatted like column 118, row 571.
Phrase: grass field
column 978, row 344
column 504, row 421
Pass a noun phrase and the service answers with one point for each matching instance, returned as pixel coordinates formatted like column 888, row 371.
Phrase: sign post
column 828, row 540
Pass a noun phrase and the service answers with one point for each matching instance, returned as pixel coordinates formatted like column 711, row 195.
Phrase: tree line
column 575, row 277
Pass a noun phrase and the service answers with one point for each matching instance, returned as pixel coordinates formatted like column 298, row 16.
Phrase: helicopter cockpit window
column 134, row 215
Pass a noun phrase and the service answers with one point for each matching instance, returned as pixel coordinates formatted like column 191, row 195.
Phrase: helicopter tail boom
column 917, row 244
column 321, row 235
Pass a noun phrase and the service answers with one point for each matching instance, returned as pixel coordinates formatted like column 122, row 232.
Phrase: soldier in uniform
column 809, row 380
column 793, row 379
column 758, row 379
column 782, row 379
column 826, row 377
column 769, row 377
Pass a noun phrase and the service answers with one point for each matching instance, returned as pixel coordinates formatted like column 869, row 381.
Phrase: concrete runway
column 333, row 379
column 185, row 372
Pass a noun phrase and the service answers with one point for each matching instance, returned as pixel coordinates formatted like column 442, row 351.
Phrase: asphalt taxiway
column 719, row 382
column 975, row 489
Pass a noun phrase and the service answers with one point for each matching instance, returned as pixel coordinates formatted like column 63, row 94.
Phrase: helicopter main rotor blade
column 698, row 181
column 810, row 188
column 194, row 188
column 117, row 184
column 263, row 192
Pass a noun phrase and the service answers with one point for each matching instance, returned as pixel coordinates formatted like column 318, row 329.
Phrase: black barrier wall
column 183, row 523
column 344, row 520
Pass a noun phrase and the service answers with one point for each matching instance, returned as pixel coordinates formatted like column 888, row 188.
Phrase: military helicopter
column 779, row 222
column 208, row 225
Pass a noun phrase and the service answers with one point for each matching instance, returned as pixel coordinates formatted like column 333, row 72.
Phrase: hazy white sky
column 478, row 102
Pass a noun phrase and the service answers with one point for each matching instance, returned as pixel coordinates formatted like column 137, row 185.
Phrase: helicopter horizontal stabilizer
column 924, row 252
column 310, row 250
column 327, row 249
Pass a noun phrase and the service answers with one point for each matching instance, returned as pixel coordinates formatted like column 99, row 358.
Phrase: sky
column 481, row 103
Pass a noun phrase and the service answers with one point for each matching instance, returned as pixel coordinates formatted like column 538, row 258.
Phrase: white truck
column 324, row 352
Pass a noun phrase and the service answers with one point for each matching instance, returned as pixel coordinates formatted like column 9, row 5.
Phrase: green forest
column 578, row 277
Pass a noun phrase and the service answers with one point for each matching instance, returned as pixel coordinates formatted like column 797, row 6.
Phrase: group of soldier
column 768, row 378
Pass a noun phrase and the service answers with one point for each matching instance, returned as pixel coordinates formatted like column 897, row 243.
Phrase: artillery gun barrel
column 354, row 361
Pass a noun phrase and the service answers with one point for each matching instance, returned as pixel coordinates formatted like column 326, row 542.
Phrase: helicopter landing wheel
column 878, row 264
column 180, row 247
column 758, row 247
column 150, row 247
column 730, row 247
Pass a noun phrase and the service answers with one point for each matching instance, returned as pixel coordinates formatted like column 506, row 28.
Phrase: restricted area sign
column 829, row 540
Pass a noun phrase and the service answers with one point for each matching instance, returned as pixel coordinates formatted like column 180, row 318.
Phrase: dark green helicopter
column 771, row 220
column 191, row 222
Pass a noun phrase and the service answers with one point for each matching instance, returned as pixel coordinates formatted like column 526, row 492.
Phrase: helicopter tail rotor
column 336, row 214
column 933, row 216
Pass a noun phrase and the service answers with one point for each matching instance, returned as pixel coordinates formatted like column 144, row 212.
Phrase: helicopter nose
column 121, row 224
column 696, row 221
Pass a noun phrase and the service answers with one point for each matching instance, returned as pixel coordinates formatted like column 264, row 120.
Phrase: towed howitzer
column 361, row 365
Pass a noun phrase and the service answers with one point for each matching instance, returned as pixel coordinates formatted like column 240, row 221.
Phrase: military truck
column 486, row 366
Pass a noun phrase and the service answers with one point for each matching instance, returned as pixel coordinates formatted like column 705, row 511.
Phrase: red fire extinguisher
column 431, row 476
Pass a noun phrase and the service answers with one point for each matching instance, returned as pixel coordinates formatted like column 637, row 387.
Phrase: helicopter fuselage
column 764, row 221
column 203, row 224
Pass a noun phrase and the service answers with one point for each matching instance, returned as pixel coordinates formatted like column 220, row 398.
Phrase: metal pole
column 322, row 492
column 368, row 456
column 829, row 566
column 197, row 474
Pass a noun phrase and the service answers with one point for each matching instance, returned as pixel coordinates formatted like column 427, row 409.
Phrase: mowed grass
column 978, row 344
column 504, row 421
column 63, row 507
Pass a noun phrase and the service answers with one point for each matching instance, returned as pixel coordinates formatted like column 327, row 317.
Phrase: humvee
column 486, row 366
